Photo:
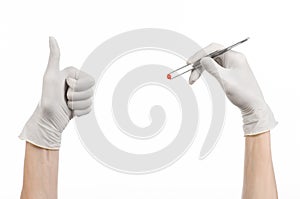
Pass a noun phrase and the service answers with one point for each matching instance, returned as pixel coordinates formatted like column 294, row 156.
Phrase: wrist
column 41, row 132
column 258, row 120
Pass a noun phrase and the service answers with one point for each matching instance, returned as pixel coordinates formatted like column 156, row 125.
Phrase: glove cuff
column 38, row 132
column 258, row 121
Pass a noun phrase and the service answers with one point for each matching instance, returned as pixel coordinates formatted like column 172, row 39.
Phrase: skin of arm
column 259, row 178
column 236, row 78
column 65, row 94
column 40, row 173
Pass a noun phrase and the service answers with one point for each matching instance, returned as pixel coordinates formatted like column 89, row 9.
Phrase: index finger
column 203, row 52
column 82, row 83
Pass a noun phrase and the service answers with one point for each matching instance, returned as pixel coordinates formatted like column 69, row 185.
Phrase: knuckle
column 215, row 45
column 70, row 68
column 235, row 56
column 212, row 47
column 240, row 54
column 72, row 71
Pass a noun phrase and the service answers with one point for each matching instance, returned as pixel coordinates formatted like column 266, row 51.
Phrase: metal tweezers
column 197, row 63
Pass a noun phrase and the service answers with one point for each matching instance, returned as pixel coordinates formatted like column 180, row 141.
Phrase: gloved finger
column 199, row 54
column 81, row 84
column 195, row 74
column 78, row 80
column 81, row 95
column 80, row 105
column 203, row 52
column 71, row 72
column 237, row 58
column 54, row 56
column 79, row 113
column 212, row 67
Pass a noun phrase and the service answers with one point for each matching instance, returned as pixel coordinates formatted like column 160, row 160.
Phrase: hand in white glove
column 238, row 82
column 65, row 94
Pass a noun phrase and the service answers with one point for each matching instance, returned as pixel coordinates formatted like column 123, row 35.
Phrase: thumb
column 195, row 74
column 54, row 56
column 212, row 67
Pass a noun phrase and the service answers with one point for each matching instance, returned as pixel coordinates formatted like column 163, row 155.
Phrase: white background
column 80, row 26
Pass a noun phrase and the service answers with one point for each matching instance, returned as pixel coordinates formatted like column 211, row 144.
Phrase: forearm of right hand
column 259, row 178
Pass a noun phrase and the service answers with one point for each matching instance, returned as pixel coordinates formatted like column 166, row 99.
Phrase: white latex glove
column 232, row 71
column 65, row 94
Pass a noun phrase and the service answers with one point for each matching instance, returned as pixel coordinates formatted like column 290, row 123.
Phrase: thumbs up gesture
column 66, row 93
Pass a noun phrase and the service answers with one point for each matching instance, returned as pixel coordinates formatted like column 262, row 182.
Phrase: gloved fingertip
column 194, row 76
column 191, row 82
column 71, row 82
column 70, row 104
column 69, row 94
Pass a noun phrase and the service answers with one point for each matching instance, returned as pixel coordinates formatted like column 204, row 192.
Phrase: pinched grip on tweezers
column 212, row 55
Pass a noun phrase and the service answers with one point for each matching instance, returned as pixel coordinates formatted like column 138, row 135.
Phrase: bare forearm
column 259, row 178
column 40, row 173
